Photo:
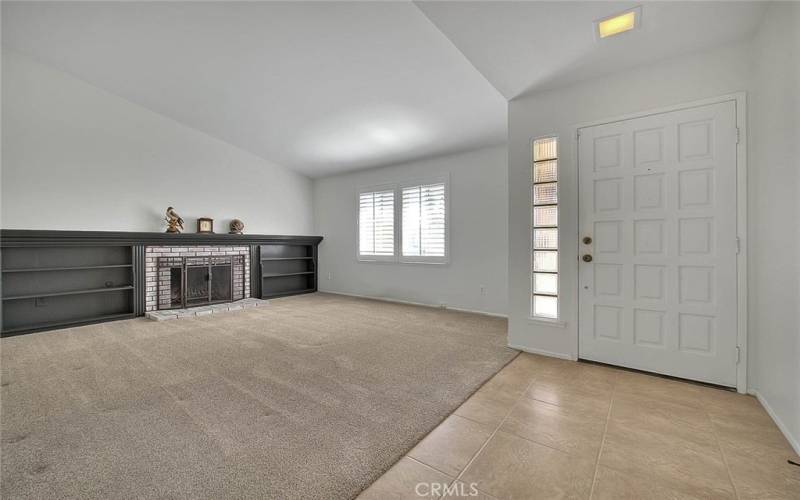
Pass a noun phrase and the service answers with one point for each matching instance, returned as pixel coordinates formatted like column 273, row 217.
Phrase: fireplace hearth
column 197, row 281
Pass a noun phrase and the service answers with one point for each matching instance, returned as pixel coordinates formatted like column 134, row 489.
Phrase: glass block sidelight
column 545, row 149
column 544, row 228
column 545, row 216
column 545, row 194
column 545, row 239
column 545, row 261
column 545, row 171
column 545, row 306
column 545, row 283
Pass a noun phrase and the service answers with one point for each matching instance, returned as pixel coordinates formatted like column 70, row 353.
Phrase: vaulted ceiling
column 327, row 87
column 524, row 47
column 317, row 87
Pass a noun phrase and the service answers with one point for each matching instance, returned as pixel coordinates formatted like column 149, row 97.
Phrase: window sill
column 384, row 260
column 424, row 262
column 556, row 323
column 363, row 260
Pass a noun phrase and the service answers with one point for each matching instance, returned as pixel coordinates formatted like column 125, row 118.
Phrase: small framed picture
column 205, row 225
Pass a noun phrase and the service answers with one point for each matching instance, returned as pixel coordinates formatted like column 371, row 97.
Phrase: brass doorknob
column 587, row 240
column 587, row 258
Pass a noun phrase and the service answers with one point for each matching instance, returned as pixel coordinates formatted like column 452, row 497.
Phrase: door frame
column 740, row 101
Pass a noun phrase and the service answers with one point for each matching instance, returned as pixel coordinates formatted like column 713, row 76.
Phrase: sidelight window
column 544, row 231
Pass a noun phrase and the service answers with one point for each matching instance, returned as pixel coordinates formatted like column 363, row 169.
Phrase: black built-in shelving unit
column 288, row 269
column 56, row 279
column 61, row 286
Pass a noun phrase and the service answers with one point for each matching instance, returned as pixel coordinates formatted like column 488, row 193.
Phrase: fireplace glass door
column 208, row 284
column 195, row 281
column 197, row 285
column 221, row 289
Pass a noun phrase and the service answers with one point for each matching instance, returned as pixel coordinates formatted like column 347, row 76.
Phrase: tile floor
column 546, row 428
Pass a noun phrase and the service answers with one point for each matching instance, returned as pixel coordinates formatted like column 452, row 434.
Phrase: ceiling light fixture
column 618, row 23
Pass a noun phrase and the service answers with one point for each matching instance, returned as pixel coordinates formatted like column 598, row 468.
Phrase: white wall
column 673, row 81
column 478, row 235
column 76, row 157
column 774, row 183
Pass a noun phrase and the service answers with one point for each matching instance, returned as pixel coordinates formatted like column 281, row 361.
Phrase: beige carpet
column 309, row 397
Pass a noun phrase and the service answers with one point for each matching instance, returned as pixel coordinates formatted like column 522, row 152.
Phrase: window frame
column 424, row 259
column 532, row 249
column 397, row 224
column 371, row 257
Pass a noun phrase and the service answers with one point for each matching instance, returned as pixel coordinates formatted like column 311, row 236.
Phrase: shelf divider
column 280, row 275
column 56, row 324
column 70, row 292
column 287, row 258
column 67, row 268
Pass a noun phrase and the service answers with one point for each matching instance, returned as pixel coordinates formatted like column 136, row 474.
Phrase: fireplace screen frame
column 165, row 265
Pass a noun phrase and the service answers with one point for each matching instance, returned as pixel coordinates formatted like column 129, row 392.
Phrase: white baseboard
column 422, row 304
column 542, row 352
column 795, row 443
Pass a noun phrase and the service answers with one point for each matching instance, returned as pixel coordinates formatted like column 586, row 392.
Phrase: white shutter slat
column 424, row 221
column 376, row 223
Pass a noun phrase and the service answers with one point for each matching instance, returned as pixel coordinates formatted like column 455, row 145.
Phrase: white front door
column 658, row 201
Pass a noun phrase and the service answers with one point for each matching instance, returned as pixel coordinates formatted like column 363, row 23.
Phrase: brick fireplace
column 228, row 265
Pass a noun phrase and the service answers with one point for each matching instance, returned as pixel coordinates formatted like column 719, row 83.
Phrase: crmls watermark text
column 444, row 490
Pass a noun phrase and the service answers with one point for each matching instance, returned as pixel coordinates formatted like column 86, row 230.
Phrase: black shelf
column 287, row 258
column 68, row 268
column 61, row 324
column 286, row 294
column 287, row 269
column 46, row 287
column 279, row 275
column 70, row 292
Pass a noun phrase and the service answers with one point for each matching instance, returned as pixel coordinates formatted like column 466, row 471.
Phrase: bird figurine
column 174, row 220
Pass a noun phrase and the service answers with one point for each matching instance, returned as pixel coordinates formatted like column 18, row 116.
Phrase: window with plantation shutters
column 424, row 222
column 376, row 225
column 544, row 232
column 404, row 222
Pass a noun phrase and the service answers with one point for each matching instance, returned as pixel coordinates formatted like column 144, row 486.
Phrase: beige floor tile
column 760, row 472
column 693, row 466
column 613, row 485
column 743, row 429
column 565, row 428
column 510, row 467
column 588, row 375
column 451, row 446
column 540, row 363
column 658, row 388
column 665, row 419
column 564, row 391
column 515, row 377
column 488, row 406
column 664, row 439
column 402, row 480
column 723, row 401
column 463, row 490
column 694, row 416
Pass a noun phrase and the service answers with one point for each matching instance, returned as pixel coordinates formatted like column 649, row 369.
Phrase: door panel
column 658, row 199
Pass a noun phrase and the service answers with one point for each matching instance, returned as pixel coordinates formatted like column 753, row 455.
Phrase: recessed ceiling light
column 618, row 23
